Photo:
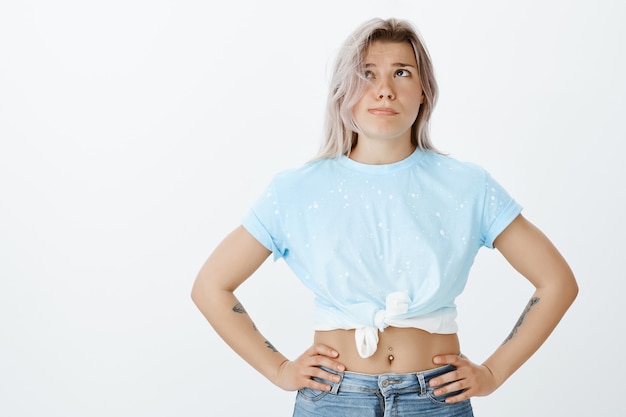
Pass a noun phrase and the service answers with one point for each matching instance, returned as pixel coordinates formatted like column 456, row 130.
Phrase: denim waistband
column 388, row 382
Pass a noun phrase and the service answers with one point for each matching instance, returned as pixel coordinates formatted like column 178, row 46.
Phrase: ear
column 422, row 98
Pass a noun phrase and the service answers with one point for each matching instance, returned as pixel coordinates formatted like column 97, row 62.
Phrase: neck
column 380, row 152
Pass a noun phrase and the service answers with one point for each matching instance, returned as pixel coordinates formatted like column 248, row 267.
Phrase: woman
column 384, row 229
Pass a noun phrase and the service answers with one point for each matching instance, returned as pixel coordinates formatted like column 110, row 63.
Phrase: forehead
column 386, row 51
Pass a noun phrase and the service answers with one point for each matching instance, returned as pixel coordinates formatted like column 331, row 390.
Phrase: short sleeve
column 499, row 210
column 263, row 221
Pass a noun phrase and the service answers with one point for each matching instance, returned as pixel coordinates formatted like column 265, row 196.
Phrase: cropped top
column 382, row 245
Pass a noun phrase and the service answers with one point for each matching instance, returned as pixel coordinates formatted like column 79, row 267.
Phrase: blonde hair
column 348, row 84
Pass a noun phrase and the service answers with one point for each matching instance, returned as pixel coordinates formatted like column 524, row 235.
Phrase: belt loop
column 335, row 387
column 422, row 382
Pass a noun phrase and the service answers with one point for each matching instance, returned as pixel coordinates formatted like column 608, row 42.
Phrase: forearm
column 541, row 315
column 539, row 318
column 532, row 254
column 233, row 261
column 233, row 324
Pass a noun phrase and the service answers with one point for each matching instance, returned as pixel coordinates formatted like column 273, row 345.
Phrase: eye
column 368, row 74
column 403, row 73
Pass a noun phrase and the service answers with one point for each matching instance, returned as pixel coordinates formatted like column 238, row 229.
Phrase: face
column 391, row 101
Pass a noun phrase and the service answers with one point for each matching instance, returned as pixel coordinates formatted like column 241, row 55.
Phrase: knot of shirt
column 396, row 304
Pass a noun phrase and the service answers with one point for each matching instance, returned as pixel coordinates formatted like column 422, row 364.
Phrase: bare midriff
column 400, row 350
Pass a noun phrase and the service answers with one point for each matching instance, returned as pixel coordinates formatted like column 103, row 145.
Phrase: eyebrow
column 395, row 64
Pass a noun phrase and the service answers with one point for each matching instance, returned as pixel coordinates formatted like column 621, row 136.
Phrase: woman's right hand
column 297, row 374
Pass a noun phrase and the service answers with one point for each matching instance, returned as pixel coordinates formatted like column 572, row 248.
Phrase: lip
column 382, row 111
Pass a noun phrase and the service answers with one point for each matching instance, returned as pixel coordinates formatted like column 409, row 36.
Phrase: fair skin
column 389, row 105
column 385, row 113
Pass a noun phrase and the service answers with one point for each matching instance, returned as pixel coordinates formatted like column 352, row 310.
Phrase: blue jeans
column 384, row 395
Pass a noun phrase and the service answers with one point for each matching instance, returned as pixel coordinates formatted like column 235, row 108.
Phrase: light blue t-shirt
column 382, row 245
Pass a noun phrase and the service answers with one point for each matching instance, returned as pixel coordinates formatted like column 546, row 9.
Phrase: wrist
column 279, row 373
column 497, row 379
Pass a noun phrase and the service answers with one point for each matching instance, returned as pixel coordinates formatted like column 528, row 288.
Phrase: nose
column 385, row 91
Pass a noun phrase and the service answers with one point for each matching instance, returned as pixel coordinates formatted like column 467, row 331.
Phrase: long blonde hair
column 348, row 83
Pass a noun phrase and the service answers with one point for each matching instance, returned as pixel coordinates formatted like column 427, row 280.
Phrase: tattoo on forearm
column 270, row 346
column 521, row 319
column 238, row 308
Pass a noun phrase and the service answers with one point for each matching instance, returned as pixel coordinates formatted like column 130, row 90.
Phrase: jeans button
column 385, row 383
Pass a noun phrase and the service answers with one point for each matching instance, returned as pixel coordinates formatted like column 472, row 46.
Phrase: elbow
column 569, row 289
column 574, row 289
column 198, row 291
column 194, row 295
column 563, row 290
column 206, row 292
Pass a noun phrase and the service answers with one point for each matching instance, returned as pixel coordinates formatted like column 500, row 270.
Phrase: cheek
column 414, row 107
column 360, row 102
column 358, row 109
column 419, row 99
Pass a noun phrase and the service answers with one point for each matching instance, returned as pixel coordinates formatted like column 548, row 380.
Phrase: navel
column 390, row 352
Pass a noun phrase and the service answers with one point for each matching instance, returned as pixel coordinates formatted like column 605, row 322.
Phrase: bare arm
column 532, row 254
column 231, row 263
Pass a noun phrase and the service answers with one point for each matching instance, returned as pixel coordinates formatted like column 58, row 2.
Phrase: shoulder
column 445, row 166
column 310, row 171
column 295, row 183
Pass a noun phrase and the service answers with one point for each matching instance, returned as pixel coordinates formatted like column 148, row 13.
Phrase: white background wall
column 135, row 134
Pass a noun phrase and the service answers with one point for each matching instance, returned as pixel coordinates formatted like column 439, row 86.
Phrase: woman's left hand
column 474, row 380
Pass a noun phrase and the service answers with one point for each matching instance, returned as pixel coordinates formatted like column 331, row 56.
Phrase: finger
column 320, row 349
column 462, row 396
column 449, row 388
column 327, row 362
column 446, row 378
column 318, row 378
column 322, row 356
column 459, row 389
column 322, row 374
column 311, row 383
column 449, row 359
